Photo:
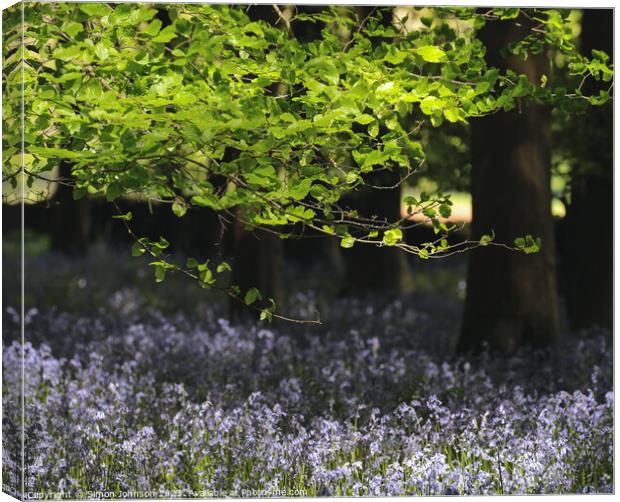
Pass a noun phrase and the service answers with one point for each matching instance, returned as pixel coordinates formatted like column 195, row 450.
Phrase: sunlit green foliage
column 239, row 116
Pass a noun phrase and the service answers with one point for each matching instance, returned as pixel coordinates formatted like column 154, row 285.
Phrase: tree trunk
column 258, row 262
column 369, row 268
column 70, row 219
column 511, row 297
column 589, row 217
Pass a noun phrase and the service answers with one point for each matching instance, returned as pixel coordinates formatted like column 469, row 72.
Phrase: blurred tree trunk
column 258, row 262
column 369, row 268
column 589, row 217
column 511, row 297
column 70, row 221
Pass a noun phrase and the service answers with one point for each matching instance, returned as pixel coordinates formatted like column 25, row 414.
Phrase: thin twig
column 283, row 18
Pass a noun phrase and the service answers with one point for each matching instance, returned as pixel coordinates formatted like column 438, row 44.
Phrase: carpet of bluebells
column 127, row 396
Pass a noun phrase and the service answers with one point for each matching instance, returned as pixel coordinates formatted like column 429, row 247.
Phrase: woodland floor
column 144, row 387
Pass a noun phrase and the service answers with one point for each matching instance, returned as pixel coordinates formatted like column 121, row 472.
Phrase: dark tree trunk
column 258, row 262
column 369, row 268
column 511, row 297
column 70, row 219
column 589, row 217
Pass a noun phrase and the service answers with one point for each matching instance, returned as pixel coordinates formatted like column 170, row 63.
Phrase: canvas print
column 256, row 250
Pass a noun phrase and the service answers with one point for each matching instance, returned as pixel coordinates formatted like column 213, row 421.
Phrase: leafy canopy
column 218, row 110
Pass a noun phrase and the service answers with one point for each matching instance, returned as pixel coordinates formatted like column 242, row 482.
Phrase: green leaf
column 155, row 248
column 206, row 200
column 543, row 80
column 430, row 104
column 426, row 21
column 126, row 217
column 445, row 211
column 364, row 119
column 114, row 191
column 452, row 114
column 329, row 72
column 267, row 312
column 191, row 263
column 504, row 13
column 410, row 200
column 601, row 99
column 95, row 9
column 52, row 153
column 393, row 236
column 160, row 273
column 600, row 55
column 386, row 89
column 137, row 249
column 431, row 53
column 486, row 239
column 528, row 244
column 347, row 241
column 72, row 28
column 207, row 277
column 262, row 176
column 223, row 267
column 165, row 35
column 352, row 176
column 302, row 189
column 102, row 52
column 153, row 28
column 366, row 160
column 252, row 295
column 91, row 91
column 179, row 209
